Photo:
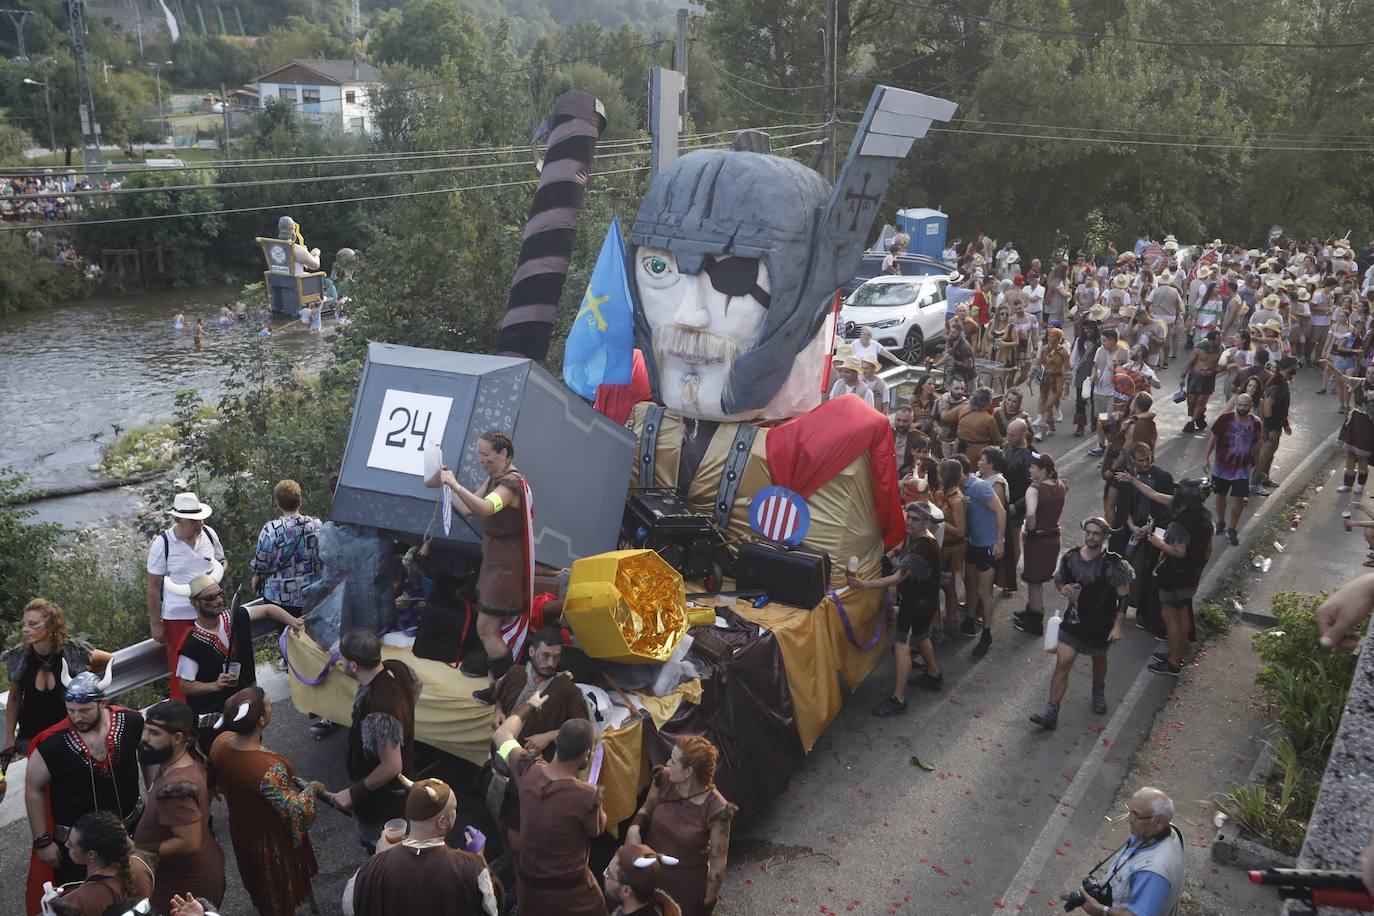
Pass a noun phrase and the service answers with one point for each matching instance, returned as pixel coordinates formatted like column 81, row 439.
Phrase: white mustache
column 694, row 346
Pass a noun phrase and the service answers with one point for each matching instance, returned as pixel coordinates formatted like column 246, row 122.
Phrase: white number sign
column 407, row 422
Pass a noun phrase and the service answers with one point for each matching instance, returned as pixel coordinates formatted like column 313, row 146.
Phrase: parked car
column 913, row 265
column 907, row 313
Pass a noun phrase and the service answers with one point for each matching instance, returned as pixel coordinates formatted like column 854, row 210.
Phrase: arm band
column 506, row 747
column 495, row 499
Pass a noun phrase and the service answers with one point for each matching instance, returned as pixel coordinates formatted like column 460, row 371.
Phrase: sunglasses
column 211, row 599
column 736, row 277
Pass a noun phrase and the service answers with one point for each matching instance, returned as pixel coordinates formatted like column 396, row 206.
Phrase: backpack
column 167, row 543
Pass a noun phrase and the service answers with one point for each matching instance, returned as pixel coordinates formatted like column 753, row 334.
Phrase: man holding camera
column 1146, row 878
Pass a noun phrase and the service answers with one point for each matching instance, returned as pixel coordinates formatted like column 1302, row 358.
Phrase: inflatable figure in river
column 293, row 276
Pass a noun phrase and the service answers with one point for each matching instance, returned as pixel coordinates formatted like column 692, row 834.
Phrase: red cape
column 807, row 451
column 38, row 872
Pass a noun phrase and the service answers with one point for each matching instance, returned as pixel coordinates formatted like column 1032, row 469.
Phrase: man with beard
column 1097, row 583
column 949, row 407
column 176, row 809
column 87, row 762
column 563, row 699
column 1128, row 501
column 1236, row 440
column 539, row 731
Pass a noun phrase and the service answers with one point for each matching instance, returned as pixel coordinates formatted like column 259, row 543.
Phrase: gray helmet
column 748, row 205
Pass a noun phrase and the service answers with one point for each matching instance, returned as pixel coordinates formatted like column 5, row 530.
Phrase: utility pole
column 680, row 52
column 47, row 103
column 85, row 92
column 224, row 108
column 831, row 60
column 17, row 17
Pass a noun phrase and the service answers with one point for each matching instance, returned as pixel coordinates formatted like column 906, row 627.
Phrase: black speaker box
column 798, row 576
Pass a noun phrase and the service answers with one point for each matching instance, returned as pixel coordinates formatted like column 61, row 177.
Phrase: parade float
column 694, row 525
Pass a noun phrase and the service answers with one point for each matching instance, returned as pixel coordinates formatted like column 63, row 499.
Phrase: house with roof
column 333, row 92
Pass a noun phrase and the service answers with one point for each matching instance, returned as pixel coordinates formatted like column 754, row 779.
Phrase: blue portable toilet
column 927, row 228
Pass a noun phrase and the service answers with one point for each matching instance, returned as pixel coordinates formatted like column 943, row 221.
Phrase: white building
column 333, row 91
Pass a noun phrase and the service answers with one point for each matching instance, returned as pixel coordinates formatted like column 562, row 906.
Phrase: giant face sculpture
column 722, row 313
column 700, row 324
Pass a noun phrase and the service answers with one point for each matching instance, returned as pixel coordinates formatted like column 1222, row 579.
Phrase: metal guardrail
column 143, row 663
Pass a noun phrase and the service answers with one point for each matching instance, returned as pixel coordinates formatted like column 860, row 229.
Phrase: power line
column 767, row 107
column 1135, row 39
column 351, row 176
column 1130, row 141
column 287, row 161
column 297, row 205
column 16, row 227
column 1277, row 136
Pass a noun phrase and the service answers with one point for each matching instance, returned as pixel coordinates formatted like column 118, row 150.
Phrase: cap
column 200, row 584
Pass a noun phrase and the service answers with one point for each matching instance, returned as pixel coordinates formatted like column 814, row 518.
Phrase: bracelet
column 42, row 841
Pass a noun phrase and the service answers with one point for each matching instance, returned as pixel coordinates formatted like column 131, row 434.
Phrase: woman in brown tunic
column 686, row 817
column 1054, row 361
column 270, row 810
column 99, row 841
column 1040, row 539
column 502, row 583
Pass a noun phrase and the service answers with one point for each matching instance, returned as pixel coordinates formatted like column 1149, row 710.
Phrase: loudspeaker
column 659, row 519
column 798, row 576
column 440, row 633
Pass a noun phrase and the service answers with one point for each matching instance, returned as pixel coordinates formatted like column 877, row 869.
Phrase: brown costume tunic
column 94, row 894
column 977, row 429
column 558, row 820
column 564, row 701
column 383, row 713
column 676, row 826
column 177, row 798
column 269, row 816
column 1041, row 547
column 501, row 586
column 435, row 880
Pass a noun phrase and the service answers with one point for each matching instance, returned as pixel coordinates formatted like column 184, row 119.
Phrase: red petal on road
column 968, row 861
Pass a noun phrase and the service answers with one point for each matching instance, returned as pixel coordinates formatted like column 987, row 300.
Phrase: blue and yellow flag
column 600, row 347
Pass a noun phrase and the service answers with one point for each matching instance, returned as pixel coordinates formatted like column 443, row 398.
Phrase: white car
column 907, row 314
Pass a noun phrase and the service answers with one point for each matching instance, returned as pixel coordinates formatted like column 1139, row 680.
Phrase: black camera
column 1074, row 899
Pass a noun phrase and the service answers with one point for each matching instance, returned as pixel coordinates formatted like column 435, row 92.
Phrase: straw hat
column 1165, row 278
column 1121, row 281
column 1128, row 311
column 1273, row 282
column 1270, row 301
column 871, row 361
column 1253, row 253
column 1098, row 312
column 1204, row 272
column 852, row 362
column 1340, row 253
column 1304, row 294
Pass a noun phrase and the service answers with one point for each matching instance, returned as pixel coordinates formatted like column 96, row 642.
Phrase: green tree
column 299, row 38
column 426, row 33
column 13, row 141
column 25, row 551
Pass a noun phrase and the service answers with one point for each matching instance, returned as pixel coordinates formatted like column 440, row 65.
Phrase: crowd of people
column 47, row 197
column 119, row 802
column 984, row 500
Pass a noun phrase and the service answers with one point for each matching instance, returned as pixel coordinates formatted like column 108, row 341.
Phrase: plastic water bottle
column 853, row 566
column 1052, row 633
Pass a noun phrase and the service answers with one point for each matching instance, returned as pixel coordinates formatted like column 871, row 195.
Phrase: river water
column 73, row 375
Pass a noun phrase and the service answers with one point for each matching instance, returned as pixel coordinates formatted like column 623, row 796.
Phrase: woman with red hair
column 687, row 818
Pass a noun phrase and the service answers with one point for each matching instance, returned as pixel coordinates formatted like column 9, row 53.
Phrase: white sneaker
column 1343, row 488
column 1058, row 415
column 1359, row 488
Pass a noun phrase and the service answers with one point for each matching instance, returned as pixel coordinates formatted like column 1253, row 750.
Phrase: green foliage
column 195, row 238
column 27, row 282
column 125, row 103
column 426, row 33
column 25, row 549
column 13, row 141
column 105, row 602
column 1213, row 618
column 302, row 38
column 1275, row 813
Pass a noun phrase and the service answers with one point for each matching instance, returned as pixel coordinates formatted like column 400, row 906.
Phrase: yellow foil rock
column 626, row 606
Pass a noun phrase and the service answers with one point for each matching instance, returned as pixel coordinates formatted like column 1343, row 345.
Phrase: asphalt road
column 860, row 829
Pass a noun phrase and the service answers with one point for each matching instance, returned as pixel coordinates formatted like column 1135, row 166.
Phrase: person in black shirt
column 1019, row 455
column 219, row 640
column 917, row 580
column 1278, row 398
column 1128, row 501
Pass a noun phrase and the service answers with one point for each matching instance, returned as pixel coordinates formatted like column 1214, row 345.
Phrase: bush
column 26, row 550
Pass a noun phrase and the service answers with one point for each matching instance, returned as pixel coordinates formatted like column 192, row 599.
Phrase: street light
column 157, row 69
column 47, row 103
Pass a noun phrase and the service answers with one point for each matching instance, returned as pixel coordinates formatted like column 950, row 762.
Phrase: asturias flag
column 600, row 346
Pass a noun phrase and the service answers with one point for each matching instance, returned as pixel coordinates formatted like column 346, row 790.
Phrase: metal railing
column 146, row 662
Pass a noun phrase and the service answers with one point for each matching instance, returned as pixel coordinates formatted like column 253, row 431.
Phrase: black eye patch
column 736, row 277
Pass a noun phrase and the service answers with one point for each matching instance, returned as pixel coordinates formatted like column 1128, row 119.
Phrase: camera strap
column 1173, row 830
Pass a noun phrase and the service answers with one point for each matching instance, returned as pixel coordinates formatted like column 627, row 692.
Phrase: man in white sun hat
column 189, row 548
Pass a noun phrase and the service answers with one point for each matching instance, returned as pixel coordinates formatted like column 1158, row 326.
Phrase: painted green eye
column 656, row 266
